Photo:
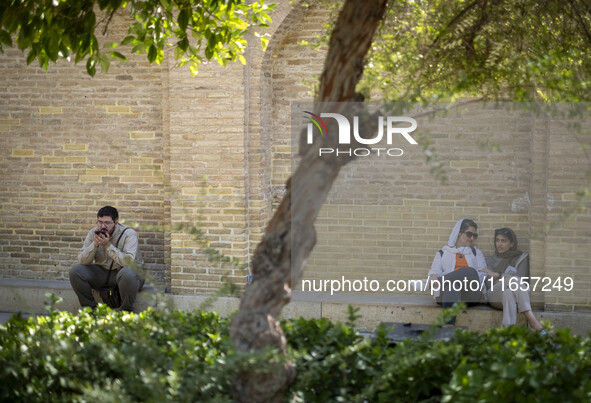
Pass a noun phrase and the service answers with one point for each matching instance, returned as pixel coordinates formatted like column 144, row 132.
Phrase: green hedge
column 502, row 365
column 153, row 356
column 181, row 356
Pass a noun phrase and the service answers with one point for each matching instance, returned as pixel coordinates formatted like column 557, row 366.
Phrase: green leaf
column 178, row 53
column 237, row 24
column 79, row 56
column 5, row 38
column 183, row 19
column 159, row 56
column 209, row 53
column 43, row 59
column 52, row 48
column 152, row 53
column 31, row 56
column 183, row 44
column 48, row 15
column 105, row 62
column 91, row 66
column 194, row 67
column 139, row 48
column 128, row 40
column 118, row 56
column 194, row 51
column 64, row 51
column 264, row 42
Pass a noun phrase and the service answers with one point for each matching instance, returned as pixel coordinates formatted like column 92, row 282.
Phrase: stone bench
column 416, row 309
column 28, row 296
column 376, row 308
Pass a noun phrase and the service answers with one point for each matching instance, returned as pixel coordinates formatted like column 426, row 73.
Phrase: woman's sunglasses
column 471, row 234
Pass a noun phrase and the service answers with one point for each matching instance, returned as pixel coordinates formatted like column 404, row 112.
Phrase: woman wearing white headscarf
column 456, row 267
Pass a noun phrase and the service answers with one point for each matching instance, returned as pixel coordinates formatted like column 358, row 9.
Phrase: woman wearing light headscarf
column 456, row 268
column 509, row 265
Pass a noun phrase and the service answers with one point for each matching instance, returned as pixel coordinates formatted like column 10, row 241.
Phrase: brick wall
column 567, row 250
column 70, row 145
column 386, row 217
column 215, row 152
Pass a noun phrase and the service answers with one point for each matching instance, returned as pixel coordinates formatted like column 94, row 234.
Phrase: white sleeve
column 436, row 266
column 480, row 264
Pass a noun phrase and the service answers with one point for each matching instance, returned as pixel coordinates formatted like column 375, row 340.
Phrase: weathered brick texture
column 215, row 151
column 71, row 145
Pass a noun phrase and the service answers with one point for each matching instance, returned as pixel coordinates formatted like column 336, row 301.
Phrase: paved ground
column 4, row 316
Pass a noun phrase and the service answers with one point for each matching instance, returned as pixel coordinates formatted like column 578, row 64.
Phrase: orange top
column 460, row 261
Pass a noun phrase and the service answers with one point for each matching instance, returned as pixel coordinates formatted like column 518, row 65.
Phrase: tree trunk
column 290, row 235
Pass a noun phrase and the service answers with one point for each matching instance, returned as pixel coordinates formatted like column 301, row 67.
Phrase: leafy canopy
column 443, row 50
column 198, row 30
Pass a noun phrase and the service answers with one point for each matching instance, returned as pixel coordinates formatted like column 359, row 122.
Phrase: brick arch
column 290, row 71
column 274, row 79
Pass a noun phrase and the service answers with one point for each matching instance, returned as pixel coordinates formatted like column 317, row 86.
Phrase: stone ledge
column 28, row 297
column 376, row 308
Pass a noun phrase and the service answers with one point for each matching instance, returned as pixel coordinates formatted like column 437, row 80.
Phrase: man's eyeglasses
column 471, row 234
column 100, row 223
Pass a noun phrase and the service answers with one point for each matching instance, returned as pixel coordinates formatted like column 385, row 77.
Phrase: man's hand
column 102, row 239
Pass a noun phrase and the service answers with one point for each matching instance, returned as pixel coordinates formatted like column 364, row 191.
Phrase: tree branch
column 108, row 21
column 580, row 20
column 455, row 20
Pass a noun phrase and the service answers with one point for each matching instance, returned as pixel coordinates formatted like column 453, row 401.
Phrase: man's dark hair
column 108, row 211
column 467, row 223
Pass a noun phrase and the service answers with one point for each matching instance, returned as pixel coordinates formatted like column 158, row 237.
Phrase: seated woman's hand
column 488, row 272
column 432, row 278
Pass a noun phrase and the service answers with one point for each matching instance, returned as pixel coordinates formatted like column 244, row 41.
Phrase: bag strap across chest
column 111, row 267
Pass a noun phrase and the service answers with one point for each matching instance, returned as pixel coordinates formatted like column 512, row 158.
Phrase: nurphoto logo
column 392, row 126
